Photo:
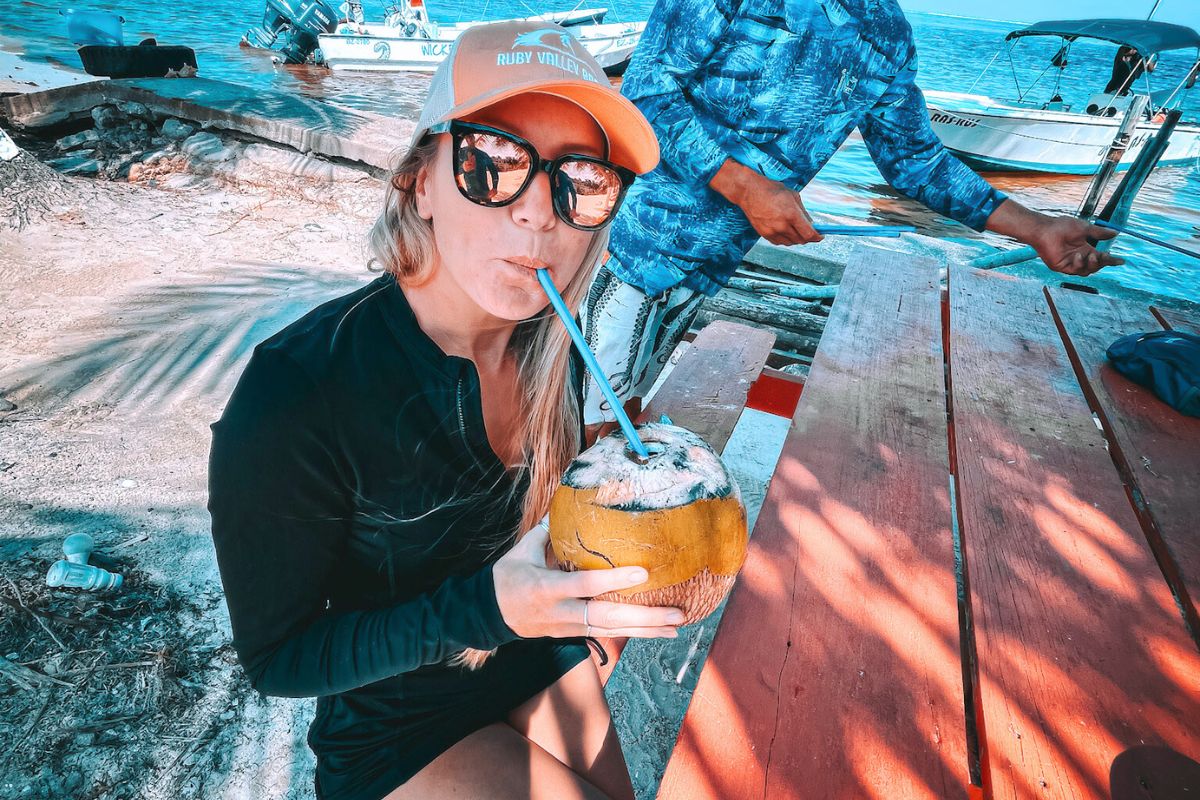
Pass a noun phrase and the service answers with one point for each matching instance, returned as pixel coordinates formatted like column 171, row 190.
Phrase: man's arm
column 913, row 160
column 679, row 38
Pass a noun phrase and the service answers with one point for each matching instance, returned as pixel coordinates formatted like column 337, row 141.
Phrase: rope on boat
column 979, row 77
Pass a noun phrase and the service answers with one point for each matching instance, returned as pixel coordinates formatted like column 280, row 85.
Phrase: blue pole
column 1100, row 223
column 888, row 231
column 589, row 359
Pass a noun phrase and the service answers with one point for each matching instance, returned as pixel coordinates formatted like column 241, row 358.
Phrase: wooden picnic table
column 976, row 565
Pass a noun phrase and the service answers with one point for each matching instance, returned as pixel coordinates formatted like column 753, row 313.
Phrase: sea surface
column 954, row 53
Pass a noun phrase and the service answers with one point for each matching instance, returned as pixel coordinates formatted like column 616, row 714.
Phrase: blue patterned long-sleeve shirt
column 776, row 85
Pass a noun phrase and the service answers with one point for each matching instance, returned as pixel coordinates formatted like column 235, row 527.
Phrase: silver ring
column 586, row 625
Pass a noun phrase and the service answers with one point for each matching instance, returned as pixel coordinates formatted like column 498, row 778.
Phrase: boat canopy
column 1146, row 36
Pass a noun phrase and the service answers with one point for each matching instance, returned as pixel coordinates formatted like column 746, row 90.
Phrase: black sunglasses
column 493, row 168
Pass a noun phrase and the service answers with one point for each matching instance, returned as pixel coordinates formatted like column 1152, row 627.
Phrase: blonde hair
column 403, row 244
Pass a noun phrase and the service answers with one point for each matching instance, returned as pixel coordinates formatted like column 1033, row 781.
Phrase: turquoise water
column 954, row 51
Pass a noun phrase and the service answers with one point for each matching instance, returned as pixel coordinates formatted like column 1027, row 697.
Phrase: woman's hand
column 536, row 600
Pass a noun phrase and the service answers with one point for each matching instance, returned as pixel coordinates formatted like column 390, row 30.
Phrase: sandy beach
column 127, row 315
column 18, row 75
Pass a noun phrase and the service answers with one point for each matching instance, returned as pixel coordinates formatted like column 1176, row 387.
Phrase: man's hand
column 1061, row 242
column 775, row 211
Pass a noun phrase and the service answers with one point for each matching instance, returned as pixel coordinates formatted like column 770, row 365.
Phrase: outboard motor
column 298, row 22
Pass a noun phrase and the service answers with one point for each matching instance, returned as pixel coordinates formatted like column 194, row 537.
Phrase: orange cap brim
column 631, row 140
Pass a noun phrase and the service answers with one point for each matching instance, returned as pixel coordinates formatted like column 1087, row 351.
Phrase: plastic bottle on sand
column 82, row 576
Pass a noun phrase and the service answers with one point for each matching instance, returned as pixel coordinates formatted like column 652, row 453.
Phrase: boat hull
column 997, row 137
column 380, row 50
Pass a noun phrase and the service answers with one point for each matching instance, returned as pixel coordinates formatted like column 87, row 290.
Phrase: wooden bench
column 959, row 585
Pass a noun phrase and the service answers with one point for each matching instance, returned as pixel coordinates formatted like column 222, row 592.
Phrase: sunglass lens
column 489, row 168
column 586, row 193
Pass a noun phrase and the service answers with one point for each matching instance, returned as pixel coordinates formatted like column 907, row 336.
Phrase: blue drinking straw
column 885, row 231
column 1100, row 223
column 589, row 359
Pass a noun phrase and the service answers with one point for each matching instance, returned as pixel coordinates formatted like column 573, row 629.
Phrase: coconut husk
column 679, row 515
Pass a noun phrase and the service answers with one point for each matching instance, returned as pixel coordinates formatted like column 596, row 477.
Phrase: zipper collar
column 402, row 322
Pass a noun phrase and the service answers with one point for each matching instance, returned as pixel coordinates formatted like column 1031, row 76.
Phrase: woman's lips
column 522, row 273
column 528, row 262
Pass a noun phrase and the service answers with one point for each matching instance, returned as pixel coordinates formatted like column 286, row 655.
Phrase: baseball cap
column 493, row 62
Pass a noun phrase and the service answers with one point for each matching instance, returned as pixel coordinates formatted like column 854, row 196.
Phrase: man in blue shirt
column 749, row 99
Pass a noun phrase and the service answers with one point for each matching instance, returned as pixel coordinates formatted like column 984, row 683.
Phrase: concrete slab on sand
column 309, row 126
column 19, row 76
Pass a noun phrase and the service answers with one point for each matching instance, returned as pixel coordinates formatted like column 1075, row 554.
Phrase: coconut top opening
column 653, row 449
column 681, row 469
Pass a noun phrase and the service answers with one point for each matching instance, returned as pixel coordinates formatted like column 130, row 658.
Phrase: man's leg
column 614, row 321
column 673, row 318
column 633, row 337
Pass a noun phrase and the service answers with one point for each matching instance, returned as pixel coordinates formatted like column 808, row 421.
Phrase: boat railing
column 1160, row 100
column 1182, row 87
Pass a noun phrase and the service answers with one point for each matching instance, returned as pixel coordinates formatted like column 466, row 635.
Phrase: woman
column 380, row 456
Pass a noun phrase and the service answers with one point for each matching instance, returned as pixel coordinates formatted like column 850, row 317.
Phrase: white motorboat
column 1050, row 136
column 409, row 41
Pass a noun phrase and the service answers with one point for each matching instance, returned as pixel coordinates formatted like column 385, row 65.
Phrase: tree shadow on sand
column 162, row 343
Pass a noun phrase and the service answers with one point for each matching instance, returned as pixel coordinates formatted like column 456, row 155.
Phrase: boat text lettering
column 951, row 119
column 435, row 50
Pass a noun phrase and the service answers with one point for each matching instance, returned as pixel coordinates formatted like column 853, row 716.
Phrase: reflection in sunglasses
column 494, row 168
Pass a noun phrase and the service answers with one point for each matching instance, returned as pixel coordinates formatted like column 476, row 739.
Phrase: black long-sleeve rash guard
column 356, row 504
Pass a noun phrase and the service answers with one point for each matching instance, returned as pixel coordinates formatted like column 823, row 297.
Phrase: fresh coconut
column 679, row 514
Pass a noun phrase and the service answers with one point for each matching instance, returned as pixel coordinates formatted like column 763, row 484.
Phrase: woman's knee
column 497, row 762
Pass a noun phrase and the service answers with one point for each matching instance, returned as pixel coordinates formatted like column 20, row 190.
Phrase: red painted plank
column 1081, row 651
column 705, row 393
column 1157, row 447
column 776, row 393
column 835, row 672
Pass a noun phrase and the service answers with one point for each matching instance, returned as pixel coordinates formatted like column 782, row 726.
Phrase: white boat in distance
column 993, row 134
column 409, row 41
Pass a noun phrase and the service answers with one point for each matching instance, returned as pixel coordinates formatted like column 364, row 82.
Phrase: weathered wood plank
column 1081, row 651
column 1157, row 448
column 706, row 393
column 835, row 672
column 799, row 343
column 1177, row 320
